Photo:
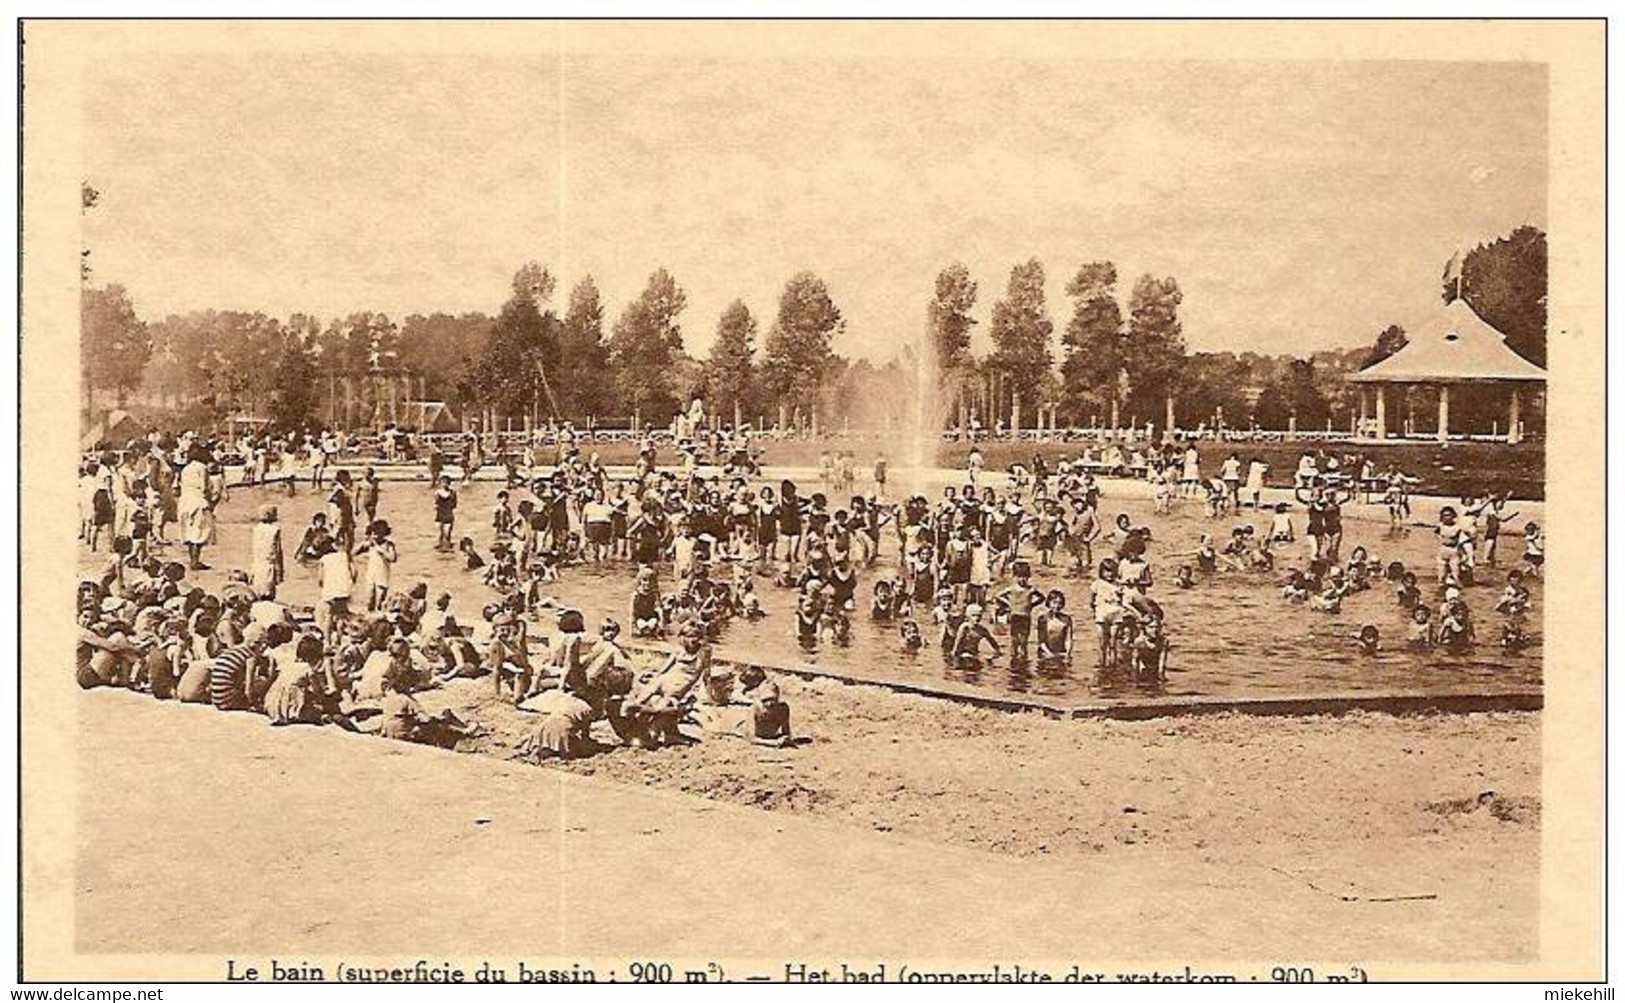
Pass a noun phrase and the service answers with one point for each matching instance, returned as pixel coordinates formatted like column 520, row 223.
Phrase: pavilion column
column 1382, row 411
column 1360, row 427
column 1514, row 434
column 1444, row 412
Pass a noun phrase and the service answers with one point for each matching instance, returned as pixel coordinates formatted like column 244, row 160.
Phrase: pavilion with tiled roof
column 1454, row 348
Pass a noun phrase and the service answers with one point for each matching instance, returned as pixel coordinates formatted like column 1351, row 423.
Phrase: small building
column 428, row 416
column 1456, row 348
column 112, row 431
column 239, row 426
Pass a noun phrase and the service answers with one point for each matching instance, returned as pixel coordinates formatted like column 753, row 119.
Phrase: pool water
column 1231, row 636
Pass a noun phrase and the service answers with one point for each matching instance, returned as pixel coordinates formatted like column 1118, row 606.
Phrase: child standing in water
column 502, row 517
column 445, row 514
column 381, row 557
column 1020, row 600
column 1493, row 515
column 1394, row 498
column 970, row 637
column 1419, row 632
column 1106, row 599
column 1534, row 547
column 1055, row 628
column 1450, row 534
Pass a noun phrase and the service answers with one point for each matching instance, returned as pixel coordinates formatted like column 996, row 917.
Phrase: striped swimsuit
column 228, row 678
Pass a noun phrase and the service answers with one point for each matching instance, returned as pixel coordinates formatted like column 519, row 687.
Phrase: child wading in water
column 1055, row 629
column 1106, row 598
column 381, row 557
column 1020, row 600
column 969, row 638
column 445, row 513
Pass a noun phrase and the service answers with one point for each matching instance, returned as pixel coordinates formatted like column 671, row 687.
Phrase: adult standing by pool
column 1307, row 471
column 473, row 457
column 194, row 507
column 1230, row 473
column 1190, row 479
column 1255, row 480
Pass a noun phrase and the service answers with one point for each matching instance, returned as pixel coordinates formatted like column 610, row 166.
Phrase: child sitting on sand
column 645, row 616
column 403, row 719
column 770, row 715
column 651, row 713
column 508, row 657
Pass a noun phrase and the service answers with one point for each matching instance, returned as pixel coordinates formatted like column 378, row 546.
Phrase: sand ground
column 904, row 827
column 901, row 826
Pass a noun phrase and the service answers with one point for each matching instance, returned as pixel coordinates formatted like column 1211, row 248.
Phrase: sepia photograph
column 811, row 501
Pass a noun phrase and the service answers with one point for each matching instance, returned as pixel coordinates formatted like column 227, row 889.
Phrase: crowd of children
column 960, row 571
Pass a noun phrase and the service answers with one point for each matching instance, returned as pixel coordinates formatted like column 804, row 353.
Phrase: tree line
column 1121, row 361
column 527, row 360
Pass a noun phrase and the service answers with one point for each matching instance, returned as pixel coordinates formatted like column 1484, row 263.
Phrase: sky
column 1301, row 205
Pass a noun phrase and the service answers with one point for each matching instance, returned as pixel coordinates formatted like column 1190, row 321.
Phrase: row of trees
column 1120, row 361
column 1109, row 363
column 527, row 360
column 1133, row 364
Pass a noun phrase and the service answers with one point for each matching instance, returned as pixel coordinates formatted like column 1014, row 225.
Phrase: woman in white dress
column 1191, row 478
column 195, row 510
